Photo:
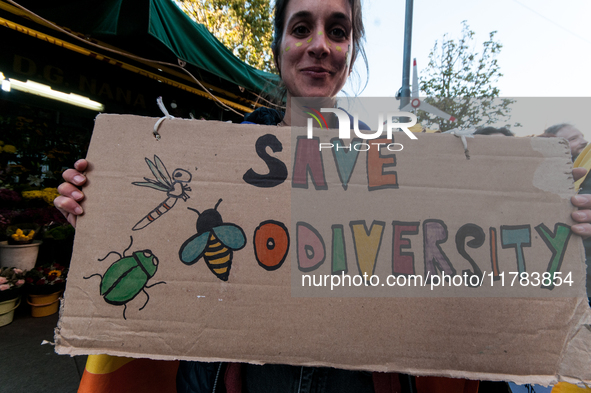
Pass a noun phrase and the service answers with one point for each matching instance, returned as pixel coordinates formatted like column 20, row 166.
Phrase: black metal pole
column 405, row 92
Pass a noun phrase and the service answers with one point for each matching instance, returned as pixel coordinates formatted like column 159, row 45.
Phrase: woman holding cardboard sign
column 314, row 46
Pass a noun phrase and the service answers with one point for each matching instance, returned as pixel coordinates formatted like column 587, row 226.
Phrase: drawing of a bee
column 175, row 188
column 215, row 241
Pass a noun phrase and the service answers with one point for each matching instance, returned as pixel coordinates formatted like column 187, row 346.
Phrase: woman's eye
column 338, row 33
column 300, row 30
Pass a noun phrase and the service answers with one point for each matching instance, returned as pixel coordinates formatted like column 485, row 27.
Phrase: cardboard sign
column 223, row 242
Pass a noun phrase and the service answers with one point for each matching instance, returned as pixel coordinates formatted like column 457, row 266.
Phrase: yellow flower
column 19, row 235
column 9, row 149
column 49, row 194
column 56, row 272
column 32, row 194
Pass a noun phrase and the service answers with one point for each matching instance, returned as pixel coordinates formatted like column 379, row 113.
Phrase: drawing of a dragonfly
column 175, row 188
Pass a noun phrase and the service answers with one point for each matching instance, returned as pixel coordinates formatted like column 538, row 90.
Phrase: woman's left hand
column 583, row 202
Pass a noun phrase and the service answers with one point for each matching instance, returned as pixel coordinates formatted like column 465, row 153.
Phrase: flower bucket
column 7, row 310
column 22, row 256
column 44, row 305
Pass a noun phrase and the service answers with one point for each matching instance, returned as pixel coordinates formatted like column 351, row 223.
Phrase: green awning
column 157, row 30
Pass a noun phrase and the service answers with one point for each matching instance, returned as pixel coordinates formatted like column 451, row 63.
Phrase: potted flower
column 21, row 234
column 11, row 282
column 44, row 286
column 20, row 250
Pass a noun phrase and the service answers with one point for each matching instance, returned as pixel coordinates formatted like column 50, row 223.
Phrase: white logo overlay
column 345, row 130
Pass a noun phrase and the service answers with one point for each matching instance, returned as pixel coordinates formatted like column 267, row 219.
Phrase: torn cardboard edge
column 543, row 380
column 578, row 345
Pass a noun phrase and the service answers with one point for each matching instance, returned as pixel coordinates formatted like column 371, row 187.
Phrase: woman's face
column 315, row 46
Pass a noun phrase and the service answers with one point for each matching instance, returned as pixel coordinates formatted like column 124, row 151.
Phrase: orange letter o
column 271, row 244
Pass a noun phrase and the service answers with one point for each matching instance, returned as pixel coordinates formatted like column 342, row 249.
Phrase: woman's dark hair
column 555, row 128
column 493, row 130
column 357, row 24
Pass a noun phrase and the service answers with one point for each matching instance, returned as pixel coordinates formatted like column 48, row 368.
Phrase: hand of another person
column 583, row 202
column 70, row 194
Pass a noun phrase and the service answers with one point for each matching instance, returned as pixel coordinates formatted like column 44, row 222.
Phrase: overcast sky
column 546, row 48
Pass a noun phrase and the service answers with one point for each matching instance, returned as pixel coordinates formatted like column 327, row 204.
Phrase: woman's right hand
column 70, row 195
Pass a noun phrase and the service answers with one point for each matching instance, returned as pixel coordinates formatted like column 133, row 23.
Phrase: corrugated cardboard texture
column 192, row 313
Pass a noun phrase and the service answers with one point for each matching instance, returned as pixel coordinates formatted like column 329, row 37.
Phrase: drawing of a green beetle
column 127, row 277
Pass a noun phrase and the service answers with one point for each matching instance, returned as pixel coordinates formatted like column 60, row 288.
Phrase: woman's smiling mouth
column 316, row 72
